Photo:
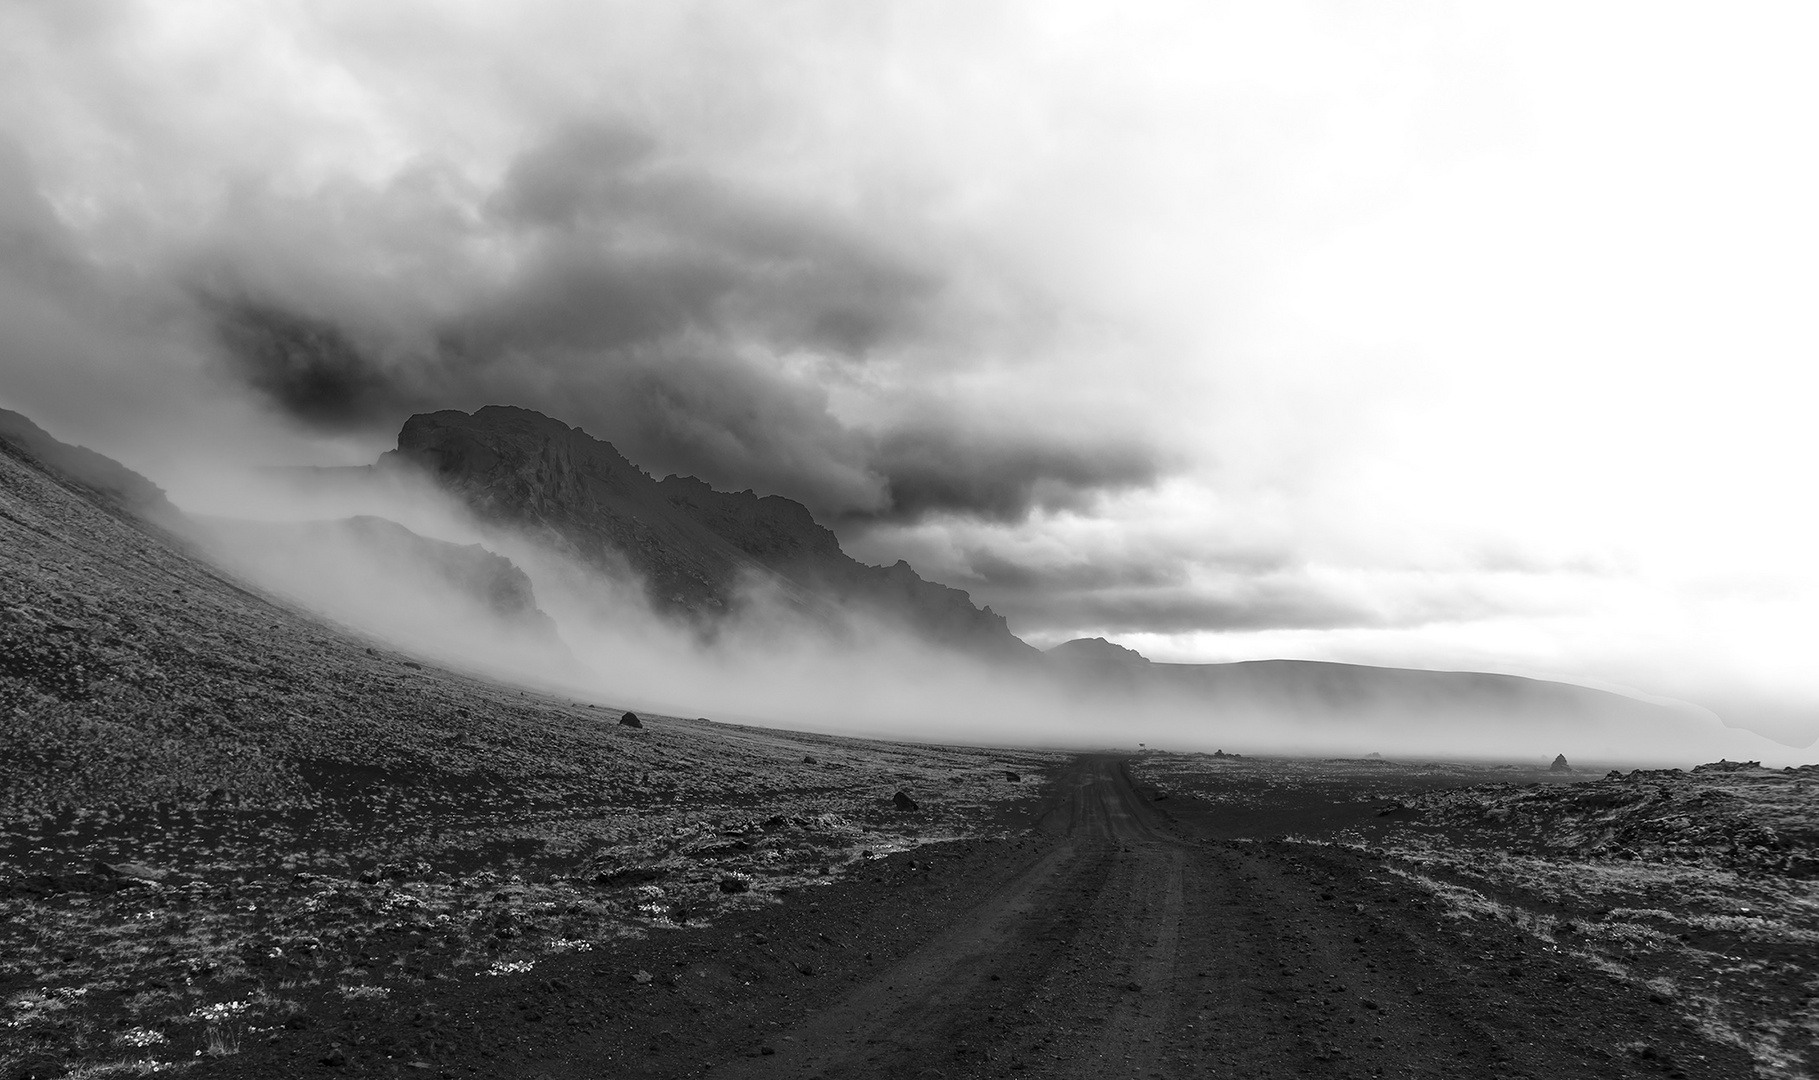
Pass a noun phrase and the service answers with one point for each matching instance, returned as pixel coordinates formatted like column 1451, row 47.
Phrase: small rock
column 642, row 977
column 630, row 719
column 335, row 1058
column 732, row 883
column 808, row 759
column 903, row 802
column 1012, row 777
column 131, row 871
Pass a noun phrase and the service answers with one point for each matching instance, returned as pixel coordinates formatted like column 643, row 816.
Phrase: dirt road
column 1104, row 933
column 1134, row 946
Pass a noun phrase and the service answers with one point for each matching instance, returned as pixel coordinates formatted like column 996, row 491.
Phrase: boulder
column 131, row 871
column 903, row 802
column 630, row 719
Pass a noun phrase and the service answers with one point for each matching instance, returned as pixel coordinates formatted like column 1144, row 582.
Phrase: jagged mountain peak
column 696, row 548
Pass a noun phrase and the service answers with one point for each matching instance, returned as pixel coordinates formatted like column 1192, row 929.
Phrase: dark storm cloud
column 631, row 247
column 1164, row 569
column 1175, row 611
column 655, row 304
column 1170, row 591
column 307, row 367
column 1002, row 475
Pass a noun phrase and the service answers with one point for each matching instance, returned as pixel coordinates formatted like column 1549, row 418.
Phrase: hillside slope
column 99, row 474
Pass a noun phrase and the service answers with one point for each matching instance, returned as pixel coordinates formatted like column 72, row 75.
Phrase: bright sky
column 1428, row 334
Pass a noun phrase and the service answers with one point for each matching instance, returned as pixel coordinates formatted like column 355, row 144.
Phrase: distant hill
column 368, row 565
column 695, row 548
column 1438, row 707
column 102, row 475
column 1095, row 650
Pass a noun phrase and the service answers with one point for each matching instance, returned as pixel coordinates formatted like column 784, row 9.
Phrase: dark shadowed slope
column 101, row 475
column 696, row 548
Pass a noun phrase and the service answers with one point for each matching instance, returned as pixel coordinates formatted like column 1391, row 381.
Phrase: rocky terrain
column 1698, row 889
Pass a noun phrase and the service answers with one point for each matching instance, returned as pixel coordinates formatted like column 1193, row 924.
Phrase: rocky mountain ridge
column 698, row 550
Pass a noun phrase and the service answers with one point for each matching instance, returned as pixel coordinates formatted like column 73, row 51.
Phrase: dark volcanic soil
column 236, row 842
column 1107, row 940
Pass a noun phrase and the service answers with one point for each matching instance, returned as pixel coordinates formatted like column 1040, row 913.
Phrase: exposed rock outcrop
column 694, row 547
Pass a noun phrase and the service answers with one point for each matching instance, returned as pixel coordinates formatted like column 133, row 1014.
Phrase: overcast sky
column 1443, row 335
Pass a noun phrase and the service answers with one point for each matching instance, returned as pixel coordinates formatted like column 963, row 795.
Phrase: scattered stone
column 904, row 802
column 630, row 719
column 132, row 871
column 1559, row 764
